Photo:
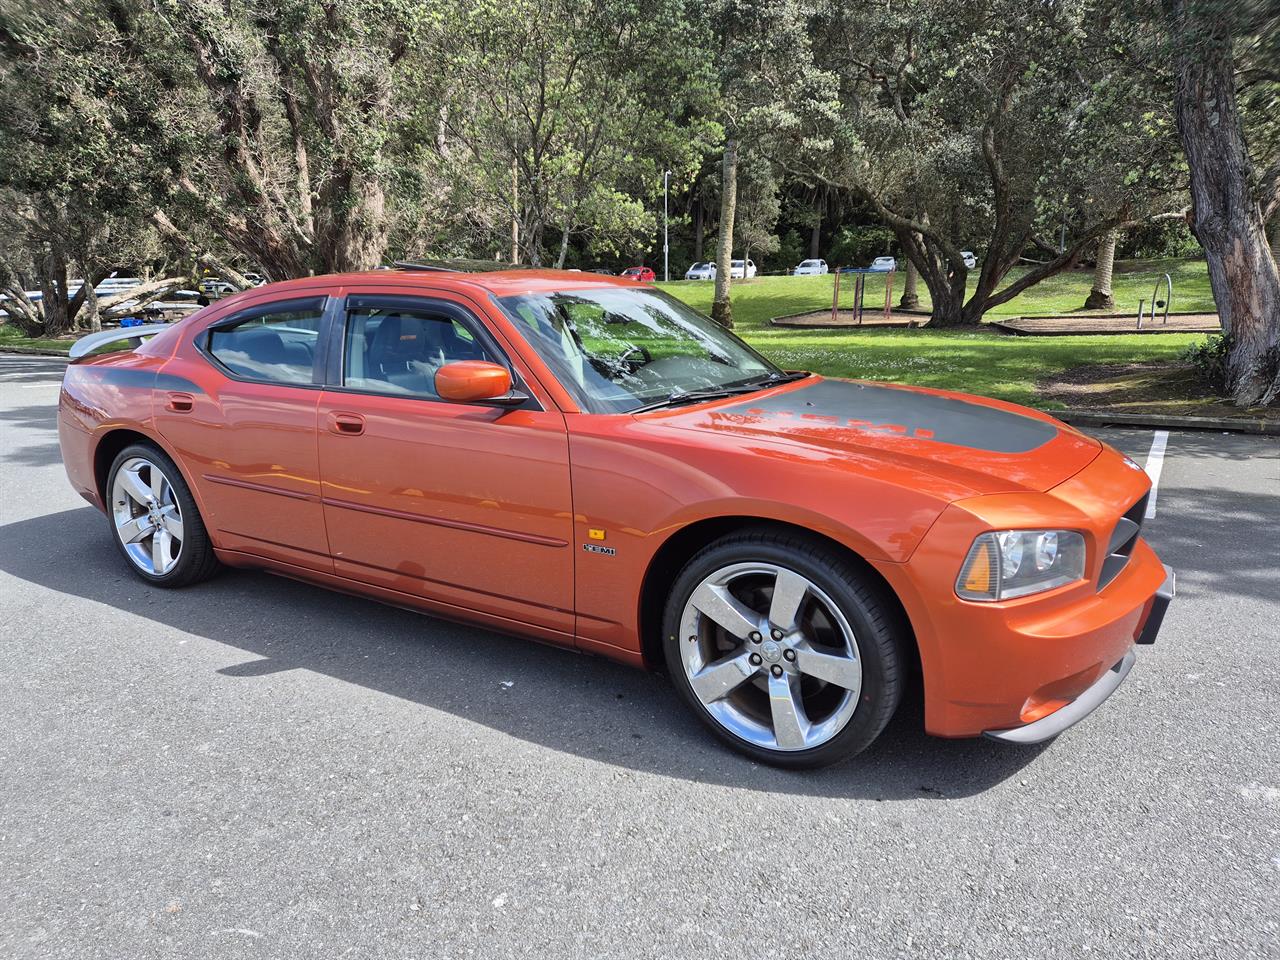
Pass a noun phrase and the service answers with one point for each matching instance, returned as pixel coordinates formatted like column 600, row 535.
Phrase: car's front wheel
column 784, row 648
column 155, row 521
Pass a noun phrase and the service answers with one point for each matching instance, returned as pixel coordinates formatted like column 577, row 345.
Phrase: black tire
column 879, row 632
column 196, row 560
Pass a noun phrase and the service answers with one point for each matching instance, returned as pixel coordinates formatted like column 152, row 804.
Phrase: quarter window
column 278, row 345
column 398, row 350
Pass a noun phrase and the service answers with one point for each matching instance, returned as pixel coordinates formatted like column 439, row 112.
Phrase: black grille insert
column 1123, row 537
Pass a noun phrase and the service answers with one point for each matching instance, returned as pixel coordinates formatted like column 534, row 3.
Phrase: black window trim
column 319, row 362
column 335, row 348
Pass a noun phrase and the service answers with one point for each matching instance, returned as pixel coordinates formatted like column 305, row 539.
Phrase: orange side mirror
column 473, row 381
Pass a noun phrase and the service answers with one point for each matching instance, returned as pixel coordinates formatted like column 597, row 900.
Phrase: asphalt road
column 259, row 768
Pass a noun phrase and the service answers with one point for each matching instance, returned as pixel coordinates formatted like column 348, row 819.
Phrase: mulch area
column 1085, row 323
column 1155, row 387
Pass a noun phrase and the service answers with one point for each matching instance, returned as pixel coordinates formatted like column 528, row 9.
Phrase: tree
column 764, row 80
column 1233, row 195
column 298, row 99
column 910, row 299
column 71, row 210
column 1000, row 127
column 560, row 117
column 1100, row 296
column 721, row 304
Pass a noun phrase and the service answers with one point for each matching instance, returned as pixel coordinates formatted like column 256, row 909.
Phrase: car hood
column 971, row 445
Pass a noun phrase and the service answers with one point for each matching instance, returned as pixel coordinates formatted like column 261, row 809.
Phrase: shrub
column 1209, row 358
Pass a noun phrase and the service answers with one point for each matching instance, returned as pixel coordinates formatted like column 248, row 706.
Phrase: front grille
column 1123, row 537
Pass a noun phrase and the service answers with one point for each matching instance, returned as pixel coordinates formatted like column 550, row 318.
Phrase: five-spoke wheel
column 155, row 520
column 784, row 647
column 147, row 516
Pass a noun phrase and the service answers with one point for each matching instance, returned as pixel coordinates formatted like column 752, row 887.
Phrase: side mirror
column 476, row 381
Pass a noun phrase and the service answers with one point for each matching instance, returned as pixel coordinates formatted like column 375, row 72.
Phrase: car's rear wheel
column 155, row 521
column 784, row 648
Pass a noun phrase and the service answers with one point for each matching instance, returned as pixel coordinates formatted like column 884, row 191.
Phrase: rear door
column 241, row 415
column 465, row 504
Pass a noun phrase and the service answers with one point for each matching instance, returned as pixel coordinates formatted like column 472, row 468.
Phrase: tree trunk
column 698, row 228
column 948, row 310
column 1226, row 215
column 815, row 237
column 184, row 245
column 946, row 285
column 352, row 224
column 722, row 307
column 515, row 214
column 53, row 292
column 564, row 249
column 910, row 295
column 1100, row 297
column 1273, row 237
column 88, row 315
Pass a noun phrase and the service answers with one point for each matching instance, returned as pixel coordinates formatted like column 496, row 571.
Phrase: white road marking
column 1155, row 463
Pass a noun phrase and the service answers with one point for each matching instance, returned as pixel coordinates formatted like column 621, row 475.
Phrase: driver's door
column 464, row 504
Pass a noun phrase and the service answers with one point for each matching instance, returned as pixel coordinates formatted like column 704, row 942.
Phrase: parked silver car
column 809, row 268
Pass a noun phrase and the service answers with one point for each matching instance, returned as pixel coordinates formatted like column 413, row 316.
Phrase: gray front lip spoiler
column 1075, row 711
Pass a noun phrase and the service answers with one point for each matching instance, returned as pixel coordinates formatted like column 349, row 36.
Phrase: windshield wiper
column 679, row 397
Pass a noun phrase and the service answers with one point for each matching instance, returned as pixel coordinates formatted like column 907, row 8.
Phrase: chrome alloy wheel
column 770, row 656
column 147, row 517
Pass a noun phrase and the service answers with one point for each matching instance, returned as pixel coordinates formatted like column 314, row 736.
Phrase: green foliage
column 1210, row 358
column 858, row 246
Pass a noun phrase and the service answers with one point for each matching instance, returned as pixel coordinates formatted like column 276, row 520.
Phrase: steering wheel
column 627, row 355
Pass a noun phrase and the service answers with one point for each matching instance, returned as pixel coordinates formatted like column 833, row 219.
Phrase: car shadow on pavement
column 556, row 698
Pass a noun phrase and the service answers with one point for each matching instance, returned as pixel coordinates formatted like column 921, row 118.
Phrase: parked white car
column 702, row 270
column 737, row 270
column 810, row 268
column 884, row 264
column 970, row 261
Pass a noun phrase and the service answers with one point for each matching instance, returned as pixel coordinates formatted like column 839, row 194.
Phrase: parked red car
column 641, row 274
column 594, row 464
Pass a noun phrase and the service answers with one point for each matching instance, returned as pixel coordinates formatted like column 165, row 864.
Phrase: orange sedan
column 591, row 463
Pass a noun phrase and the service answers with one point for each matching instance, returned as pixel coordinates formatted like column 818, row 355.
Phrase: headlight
column 1014, row 563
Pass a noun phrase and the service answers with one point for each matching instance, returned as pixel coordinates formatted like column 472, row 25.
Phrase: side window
column 398, row 350
column 277, row 345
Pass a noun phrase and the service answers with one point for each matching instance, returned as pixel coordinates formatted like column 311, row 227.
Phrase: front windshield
column 616, row 348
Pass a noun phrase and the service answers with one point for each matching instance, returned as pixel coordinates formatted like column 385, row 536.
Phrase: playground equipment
column 859, row 292
column 1167, row 283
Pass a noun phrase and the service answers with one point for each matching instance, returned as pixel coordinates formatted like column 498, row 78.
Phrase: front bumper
column 1068, row 716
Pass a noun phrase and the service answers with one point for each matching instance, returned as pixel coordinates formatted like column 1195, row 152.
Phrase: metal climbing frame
column 859, row 292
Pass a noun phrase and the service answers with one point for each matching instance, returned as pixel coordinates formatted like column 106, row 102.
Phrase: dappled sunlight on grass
column 974, row 361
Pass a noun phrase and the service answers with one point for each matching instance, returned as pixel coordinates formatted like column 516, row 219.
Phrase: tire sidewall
column 876, row 648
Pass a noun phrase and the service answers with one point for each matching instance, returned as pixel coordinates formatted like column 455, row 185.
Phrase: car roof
column 500, row 283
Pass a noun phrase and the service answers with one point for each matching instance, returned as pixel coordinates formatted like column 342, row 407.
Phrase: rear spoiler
column 86, row 345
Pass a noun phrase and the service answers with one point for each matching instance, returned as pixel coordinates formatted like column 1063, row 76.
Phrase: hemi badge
column 596, row 533
column 603, row 551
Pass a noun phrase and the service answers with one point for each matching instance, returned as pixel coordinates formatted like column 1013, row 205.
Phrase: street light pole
column 666, row 259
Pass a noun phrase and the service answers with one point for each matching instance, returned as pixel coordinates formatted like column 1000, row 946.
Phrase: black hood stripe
column 906, row 413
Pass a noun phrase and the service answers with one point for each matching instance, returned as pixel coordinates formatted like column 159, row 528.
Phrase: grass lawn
column 11, row 338
column 975, row 361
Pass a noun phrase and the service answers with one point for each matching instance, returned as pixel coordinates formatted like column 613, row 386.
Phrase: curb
column 1006, row 327
column 1101, row 418
column 783, row 321
column 34, row 352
